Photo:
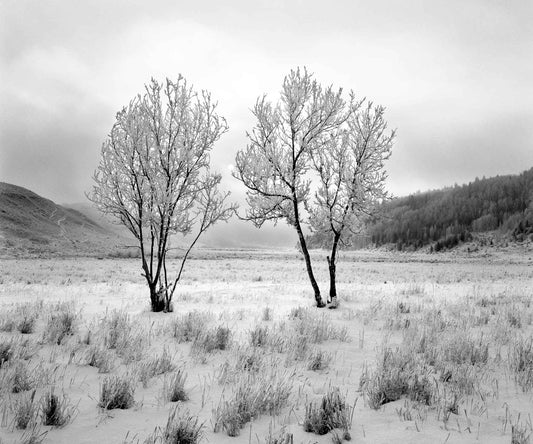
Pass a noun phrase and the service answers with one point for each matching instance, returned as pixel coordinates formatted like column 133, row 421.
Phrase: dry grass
column 443, row 353
column 117, row 392
column 253, row 395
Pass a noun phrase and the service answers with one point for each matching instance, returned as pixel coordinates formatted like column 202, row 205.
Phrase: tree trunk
column 332, row 286
column 157, row 299
column 332, row 273
column 307, row 258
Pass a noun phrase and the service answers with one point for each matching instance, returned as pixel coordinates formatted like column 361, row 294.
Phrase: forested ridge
column 441, row 219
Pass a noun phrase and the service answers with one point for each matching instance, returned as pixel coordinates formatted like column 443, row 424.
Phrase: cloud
column 455, row 78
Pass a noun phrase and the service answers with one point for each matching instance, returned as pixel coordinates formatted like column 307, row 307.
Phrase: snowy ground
column 386, row 301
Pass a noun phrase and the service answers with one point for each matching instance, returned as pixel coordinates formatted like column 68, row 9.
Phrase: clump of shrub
column 259, row 336
column 6, row 352
column 181, row 428
column 318, row 328
column 282, row 437
column 247, row 360
column 331, row 413
column 7, row 323
column 520, row 434
column 155, row 367
column 56, row 410
column 60, row 324
column 22, row 318
column 514, row 317
column 521, row 361
column 26, row 321
column 116, row 328
column 25, row 410
column 403, row 308
column 398, row 373
column 189, row 327
column 319, row 360
column 120, row 334
column 20, row 378
column 463, row 349
column 267, row 314
column 298, row 313
column 253, row 396
column 117, row 392
column 214, row 339
column 100, row 358
column 298, row 348
column 174, row 387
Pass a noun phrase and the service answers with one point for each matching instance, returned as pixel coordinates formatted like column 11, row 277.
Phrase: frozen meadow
column 423, row 348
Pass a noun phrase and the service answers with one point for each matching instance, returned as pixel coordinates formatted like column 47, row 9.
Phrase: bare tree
column 154, row 175
column 275, row 164
column 350, row 167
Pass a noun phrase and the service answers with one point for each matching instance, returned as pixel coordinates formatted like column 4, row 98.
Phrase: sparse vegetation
column 521, row 362
column 319, row 360
column 174, row 387
column 56, row 410
column 60, row 324
column 101, row 358
column 331, row 413
column 25, row 410
column 25, row 320
column 187, row 328
column 253, row 395
column 214, row 339
column 181, row 428
column 452, row 354
column 6, row 351
column 117, row 392
column 155, row 366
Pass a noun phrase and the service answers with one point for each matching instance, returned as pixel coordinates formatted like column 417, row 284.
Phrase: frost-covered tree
column 154, row 175
column 351, row 178
column 275, row 164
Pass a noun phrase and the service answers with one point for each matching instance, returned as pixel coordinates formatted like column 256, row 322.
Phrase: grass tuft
column 117, row 392
column 174, row 387
column 259, row 336
column 25, row 410
column 155, row 367
column 6, row 352
column 100, row 358
column 212, row 340
column 60, row 324
column 253, row 396
column 56, row 410
column 331, row 413
column 319, row 360
column 181, row 428
column 521, row 362
column 189, row 327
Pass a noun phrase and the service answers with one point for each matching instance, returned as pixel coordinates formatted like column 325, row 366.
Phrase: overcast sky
column 455, row 76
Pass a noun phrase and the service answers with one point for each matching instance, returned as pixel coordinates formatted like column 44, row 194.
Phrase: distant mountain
column 91, row 212
column 31, row 225
column 233, row 234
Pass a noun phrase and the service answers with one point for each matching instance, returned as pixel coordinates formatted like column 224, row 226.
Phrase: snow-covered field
column 423, row 349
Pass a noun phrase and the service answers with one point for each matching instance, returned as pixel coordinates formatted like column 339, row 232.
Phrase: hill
column 484, row 210
column 31, row 225
column 443, row 218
